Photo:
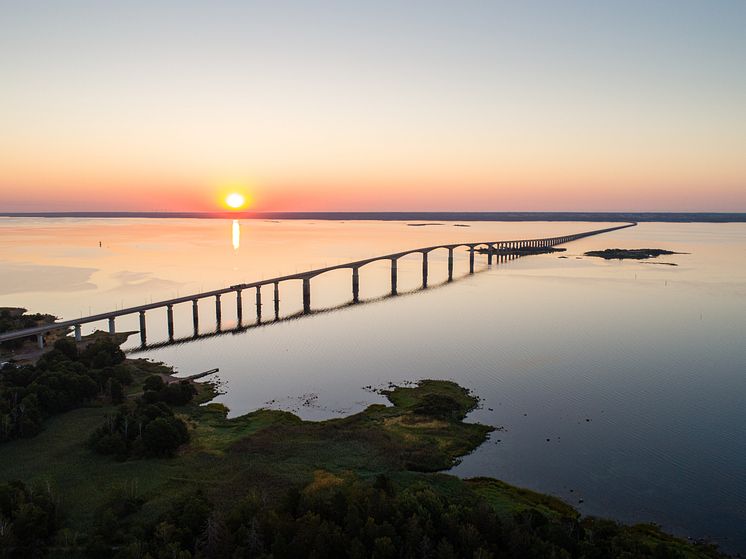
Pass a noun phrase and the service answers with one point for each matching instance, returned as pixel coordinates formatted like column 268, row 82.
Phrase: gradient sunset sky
column 373, row 106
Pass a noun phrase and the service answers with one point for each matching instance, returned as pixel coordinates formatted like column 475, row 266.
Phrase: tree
column 163, row 436
column 153, row 382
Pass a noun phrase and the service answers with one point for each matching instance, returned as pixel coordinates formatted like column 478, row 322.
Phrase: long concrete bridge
column 492, row 248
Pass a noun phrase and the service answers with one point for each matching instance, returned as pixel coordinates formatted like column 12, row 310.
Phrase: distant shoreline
column 666, row 217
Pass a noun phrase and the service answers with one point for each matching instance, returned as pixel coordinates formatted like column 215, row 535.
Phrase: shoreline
column 423, row 433
column 414, row 442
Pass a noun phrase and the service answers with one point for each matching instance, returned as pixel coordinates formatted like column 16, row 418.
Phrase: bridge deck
column 37, row 330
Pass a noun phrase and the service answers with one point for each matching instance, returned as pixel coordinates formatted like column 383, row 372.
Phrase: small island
column 630, row 253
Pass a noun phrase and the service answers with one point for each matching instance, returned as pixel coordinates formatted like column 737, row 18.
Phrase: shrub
column 154, row 383
column 163, row 436
column 68, row 347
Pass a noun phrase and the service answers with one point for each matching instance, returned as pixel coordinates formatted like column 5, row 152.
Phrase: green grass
column 269, row 451
column 508, row 499
column 266, row 450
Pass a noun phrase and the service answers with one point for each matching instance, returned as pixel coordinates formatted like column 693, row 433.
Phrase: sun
column 235, row 200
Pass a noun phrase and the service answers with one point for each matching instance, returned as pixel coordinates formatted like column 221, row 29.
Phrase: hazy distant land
column 670, row 217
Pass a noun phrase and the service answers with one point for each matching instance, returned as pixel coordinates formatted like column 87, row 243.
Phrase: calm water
column 634, row 372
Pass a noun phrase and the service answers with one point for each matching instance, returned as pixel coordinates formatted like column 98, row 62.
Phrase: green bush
column 163, row 436
column 154, row 383
column 62, row 379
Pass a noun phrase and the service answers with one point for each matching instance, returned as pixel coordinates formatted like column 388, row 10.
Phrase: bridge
column 491, row 248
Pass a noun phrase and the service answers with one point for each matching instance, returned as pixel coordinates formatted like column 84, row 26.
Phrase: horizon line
column 643, row 216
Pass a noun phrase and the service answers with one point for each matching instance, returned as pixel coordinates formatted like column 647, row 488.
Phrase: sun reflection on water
column 236, row 235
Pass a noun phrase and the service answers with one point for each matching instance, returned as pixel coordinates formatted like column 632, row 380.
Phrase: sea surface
column 619, row 386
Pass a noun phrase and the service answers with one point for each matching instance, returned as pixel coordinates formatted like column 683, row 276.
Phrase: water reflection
column 236, row 235
column 239, row 327
column 633, row 371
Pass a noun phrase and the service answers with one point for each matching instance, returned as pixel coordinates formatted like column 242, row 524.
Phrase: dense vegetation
column 146, row 426
column 340, row 516
column 29, row 520
column 62, row 379
column 266, row 484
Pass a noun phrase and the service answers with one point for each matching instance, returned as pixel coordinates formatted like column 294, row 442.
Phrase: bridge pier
column 306, row 295
column 170, row 320
column 394, row 272
column 504, row 250
column 258, row 304
column 355, row 285
column 239, row 307
column 195, row 316
column 424, row 269
column 218, row 312
column 489, row 255
column 277, row 300
column 143, row 334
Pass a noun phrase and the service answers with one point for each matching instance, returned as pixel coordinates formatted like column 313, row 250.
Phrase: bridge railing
column 492, row 246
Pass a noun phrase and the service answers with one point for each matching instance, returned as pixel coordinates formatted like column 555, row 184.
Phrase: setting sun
column 235, row 200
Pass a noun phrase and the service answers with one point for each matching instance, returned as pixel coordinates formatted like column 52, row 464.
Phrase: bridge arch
column 304, row 277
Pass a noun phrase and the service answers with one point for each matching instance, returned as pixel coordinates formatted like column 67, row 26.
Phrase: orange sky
column 363, row 107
